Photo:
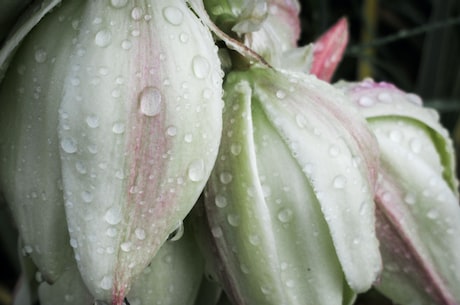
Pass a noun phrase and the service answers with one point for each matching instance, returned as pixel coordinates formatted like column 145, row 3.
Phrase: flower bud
column 418, row 213
column 130, row 94
column 288, row 206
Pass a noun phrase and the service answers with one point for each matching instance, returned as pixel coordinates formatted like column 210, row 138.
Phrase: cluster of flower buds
column 190, row 152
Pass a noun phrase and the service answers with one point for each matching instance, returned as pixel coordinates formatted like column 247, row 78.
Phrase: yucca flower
column 288, row 208
column 111, row 110
column 418, row 212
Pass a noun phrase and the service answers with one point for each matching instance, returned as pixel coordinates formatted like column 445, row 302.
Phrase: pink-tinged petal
column 412, row 272
column 418, row 213
column 329, row 49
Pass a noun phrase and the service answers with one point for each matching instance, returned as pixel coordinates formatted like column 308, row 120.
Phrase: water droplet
column 385, row 97
column 118, row 3
column 69, row 145
column 40, row 56
column 254, row 239
column 87, row 196
column 150, row 101
column 414, row 99
column 106, row 282
column 200, row 66
column 396, row 135
column 73, row 243
column 183, row 37
column 217, row 232
column 92, row 121
column 126, row 247
column 366, row 101
column 113, row 216
column 28, row 249
column 233, row 220
column 334, row 151
column 81, row 168
column 137, row 13
column 173, row 15
column 126, row 44
column 410, row 198
column 225, row 177
column 235, row 149
column 103, row 38
column 280, row 94
column 111, row 232
column 171, row 131
column 285, row 215
column 221, row 201
column 196, row 170
column 339, row 182
column 301, row 120
column 140, row 233
column 188, row 138
column 118, row 128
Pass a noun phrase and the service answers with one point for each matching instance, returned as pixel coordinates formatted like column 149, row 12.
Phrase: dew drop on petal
column 221, row 201
column 106, row 282
column 92, row 121
column 40, row 56
column 126, row 246
column 339, row 182
column 137, row 13
column 150, row 100
column 235, row 149
column 113, row 216
column 217, row 232
column 285, row 215
column 118, row 3
column 173, row 15
column 196, row 170
column 118, row 128
column 385, row 97
column 200, row 66
column 69, row 145
column 225, row 177
column 140, row 233
column 366, row 101
column 103, row 38
column 233, row 220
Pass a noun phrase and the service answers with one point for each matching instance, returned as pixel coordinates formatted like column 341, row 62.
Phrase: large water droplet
column 150, row 100
column 200, row 66
column 217, row 232
column 173, row 15
column 113, row 216
column 339, row 181
column 69, row 145
column 103, row 38
column 196, row 170
column 235, row 149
